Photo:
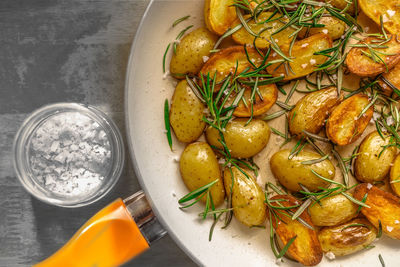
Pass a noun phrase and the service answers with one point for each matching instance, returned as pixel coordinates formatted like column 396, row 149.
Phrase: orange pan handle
column 111, row 237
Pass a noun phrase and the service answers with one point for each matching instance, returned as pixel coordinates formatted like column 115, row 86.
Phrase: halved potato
column 190, row 52
column 363, row 65
column 383, row 207
column 333, row 27
column 332, row 210
column 265, row 30
column 395, row 176
column 247, row 196
column 306, row 248
column 347, row 238
column 388, row 9
column 393, row 77
column 186, row 115
column 345, row 125
column 228, row 61
column 341, row 4
column 199, row 166
column 269, row 95
column 312, row 110
column 374, row 158
column 219, row 15
column 304, row 61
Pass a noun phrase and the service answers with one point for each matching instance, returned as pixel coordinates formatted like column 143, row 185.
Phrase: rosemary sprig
column 176, row 22
column 167, row 123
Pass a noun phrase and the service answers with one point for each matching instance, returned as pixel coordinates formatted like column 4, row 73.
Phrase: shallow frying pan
column 111, row 237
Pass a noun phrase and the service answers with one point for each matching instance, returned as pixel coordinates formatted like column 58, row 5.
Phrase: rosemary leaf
column 167, row 123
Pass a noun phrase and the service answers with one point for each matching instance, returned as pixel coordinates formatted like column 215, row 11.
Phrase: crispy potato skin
column 290, row 172
column 312, row 110
column 334, row 26
column 395, row 175
column 199, row 166
column 260, row 106
column 243, row 141
column 340, row 4
column 376, row 8
column 332, row 211
column 345, row 239
column 364, row 66
column 393, row 77
column 304, row 60
column 219, row 15
column 247, row 197
column 224, row 62
column 384, row 206
column 373, row 161
column 186, row 114
column 243, row 37
column 306, row 248
column 188, row 58
column 343, row 126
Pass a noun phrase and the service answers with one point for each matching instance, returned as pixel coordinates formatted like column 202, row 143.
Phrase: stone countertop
column 62, row 51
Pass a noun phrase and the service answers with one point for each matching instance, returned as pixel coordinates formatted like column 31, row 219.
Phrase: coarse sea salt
column 70, row 154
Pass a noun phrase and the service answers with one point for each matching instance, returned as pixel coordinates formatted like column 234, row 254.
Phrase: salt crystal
column 205, row 58
column 389, row 228
column 166, row 74
column 369, row 186
column 330, row 255
column 304, row 65
column 325, row 31
column 305, row 45
column 391, row 12
column 396, row 221
column 390, row 120
column 313, row 61
column 385, row 18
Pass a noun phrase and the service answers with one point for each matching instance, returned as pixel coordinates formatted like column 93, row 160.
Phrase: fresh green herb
column 315, row 161
column 167, row 124
column 381, row 260
column 325, row 179
column 176, row 22
column 355, row 225
column 180, row 36
column 352, row 199
column 379, row 235
column 363, row 201
column 164, row 57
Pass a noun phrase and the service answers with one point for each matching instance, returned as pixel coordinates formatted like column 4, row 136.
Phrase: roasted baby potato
column 269, row 95
column 190, row 52
column 219, row 15
column 242, row 141
column 186, row 114
column 346, row 123
column 199, row 167
column 306, row 248
column 333, row 27
column 363, row 65
column 265, row 30
column 392, row 78
column 341, row 4
column 247, row 196
column 347, row 238
column 388, row 9
column 291, row 172
column 312, row 110
column 395, row 176
column 304, row 61
column 383, row 207
column 228, row 60
column 374, row 160
column 332, row 211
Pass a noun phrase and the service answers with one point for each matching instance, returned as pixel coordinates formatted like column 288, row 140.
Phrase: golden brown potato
column 373, row 161
column 345, row 125
column 388, row 9
column 332, row 211
column 363, row 65
column 226, row 61
column 291, row 172
column 347, row 238
column 341, row 4
column 393, row 77
column 188, row 58
column 186, row 114
column 395, row 176
column 312, row 110
column 383, row 206
column 247, row 196
column 199, row 166
column 242, row 141
column 306, row 248
column 242, row 36
column 333, row 27
column 260, row 106
column 219, row 15
column 304, row 60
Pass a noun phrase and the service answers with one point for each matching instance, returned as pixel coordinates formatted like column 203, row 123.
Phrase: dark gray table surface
column 55, row 51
